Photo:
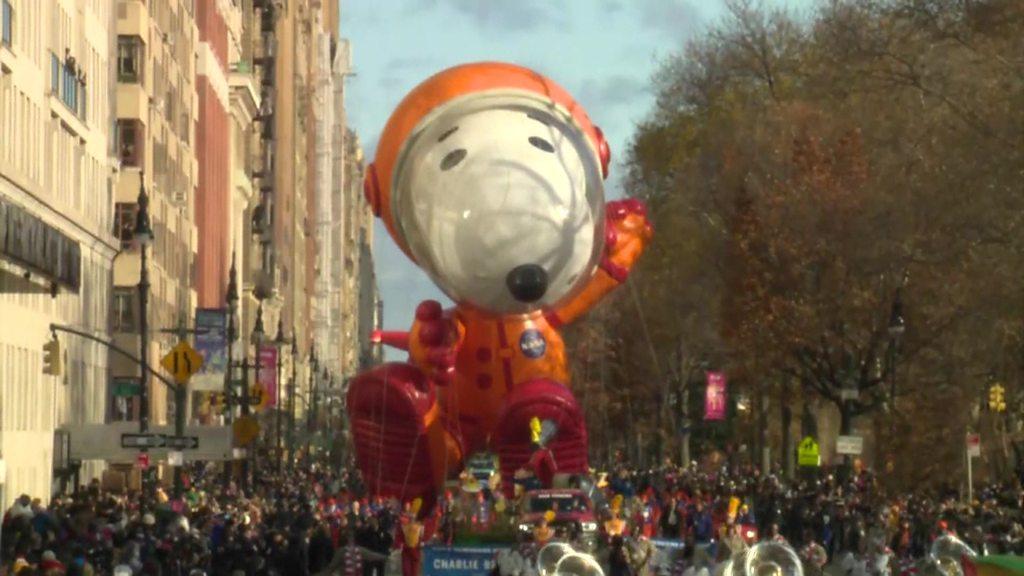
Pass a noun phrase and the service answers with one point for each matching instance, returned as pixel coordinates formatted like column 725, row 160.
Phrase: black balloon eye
column 541, row 144
column 447, row 133
column 452, row 159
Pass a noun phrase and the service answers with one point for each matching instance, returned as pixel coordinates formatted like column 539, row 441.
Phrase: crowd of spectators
column 318, row 521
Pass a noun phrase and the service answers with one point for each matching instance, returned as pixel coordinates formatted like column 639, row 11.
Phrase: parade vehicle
column 482, row 466
column 573, row 515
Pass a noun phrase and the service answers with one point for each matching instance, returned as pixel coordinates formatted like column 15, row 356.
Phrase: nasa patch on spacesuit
column 532, row 344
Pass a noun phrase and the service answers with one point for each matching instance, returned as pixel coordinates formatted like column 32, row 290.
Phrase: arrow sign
column 182, row 362
column 183, row 442
column 143, row 440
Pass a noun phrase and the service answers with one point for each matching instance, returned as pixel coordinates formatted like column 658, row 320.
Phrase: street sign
column 849, row 394
column 143, row 440
column 974, row 445
column 126, row 387
column 182, row 362
column 246, row 430
column 853, row 445
column 142, row 460
column 808, row 453
column 176, row 458
column 183, row 442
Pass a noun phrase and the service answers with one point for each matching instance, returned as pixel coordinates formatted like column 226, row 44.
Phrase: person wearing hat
column 20, row 564
column 543, row 533
column 412, row 540
column 49, row 565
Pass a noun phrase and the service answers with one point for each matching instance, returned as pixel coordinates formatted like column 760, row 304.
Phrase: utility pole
column 180, row 403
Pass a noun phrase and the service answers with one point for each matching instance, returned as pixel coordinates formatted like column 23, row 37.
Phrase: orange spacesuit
column 490, row 177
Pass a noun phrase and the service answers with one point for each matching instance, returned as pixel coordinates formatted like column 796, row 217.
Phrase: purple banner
column 211, row 343
column 268, row 376
column 714, row 400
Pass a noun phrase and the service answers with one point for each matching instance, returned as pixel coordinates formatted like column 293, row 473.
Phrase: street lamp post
column 143, row 235
column 256, row 338
column 897, row 326
column 232, row 301
column 279, row 343
column 244, row 405
column 291, row 401
column 313, row 366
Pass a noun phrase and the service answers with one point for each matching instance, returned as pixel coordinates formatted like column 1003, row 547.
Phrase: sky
column 604, row 52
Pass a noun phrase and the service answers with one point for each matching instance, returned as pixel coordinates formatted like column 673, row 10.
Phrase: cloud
column 505, row 15
column 611, row 91
column 677, row 19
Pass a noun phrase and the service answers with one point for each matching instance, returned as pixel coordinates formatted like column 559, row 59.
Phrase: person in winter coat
column 618, row 558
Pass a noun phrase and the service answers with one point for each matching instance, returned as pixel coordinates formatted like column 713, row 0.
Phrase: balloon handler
column 412, row 540
column 490, row 177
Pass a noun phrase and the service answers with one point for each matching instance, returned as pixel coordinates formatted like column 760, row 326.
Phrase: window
column 123, row 310
column 7, row 31
column 129, row 59
column 124, row 222
column 68, row 83
column 123, row 409
column 55, row 68
column 129, row 142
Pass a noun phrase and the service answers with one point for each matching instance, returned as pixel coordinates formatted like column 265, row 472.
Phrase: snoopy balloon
column 489, row 176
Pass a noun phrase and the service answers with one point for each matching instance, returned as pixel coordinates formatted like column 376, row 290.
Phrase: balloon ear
column 604, row 153
column 371, row 189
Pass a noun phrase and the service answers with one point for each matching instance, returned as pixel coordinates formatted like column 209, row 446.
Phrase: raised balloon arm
column 394, row 338
column 627, row 232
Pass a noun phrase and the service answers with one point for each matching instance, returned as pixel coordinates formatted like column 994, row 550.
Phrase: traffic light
column 217, row 403
column 997, row 398
column 52, row 360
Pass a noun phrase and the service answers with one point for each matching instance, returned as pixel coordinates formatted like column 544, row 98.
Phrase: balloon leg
column 402, row 447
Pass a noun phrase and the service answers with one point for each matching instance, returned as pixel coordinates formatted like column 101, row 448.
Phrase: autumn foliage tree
column 800, row 174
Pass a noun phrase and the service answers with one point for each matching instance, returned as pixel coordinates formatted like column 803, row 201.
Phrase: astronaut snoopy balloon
column 490, row 177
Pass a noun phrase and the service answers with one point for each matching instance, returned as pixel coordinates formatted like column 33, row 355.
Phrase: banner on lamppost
column 211, row 343
column 714, row 399
column 267, row 380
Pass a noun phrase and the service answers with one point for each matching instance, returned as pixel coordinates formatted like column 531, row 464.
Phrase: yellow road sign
column 246, row 429
column 808, row 453
column 182, row 362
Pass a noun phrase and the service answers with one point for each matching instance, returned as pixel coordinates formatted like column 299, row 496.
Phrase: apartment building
column 57, row 245
column 157, row 48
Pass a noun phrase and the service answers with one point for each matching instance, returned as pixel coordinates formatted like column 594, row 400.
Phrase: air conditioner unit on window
column 179, row 197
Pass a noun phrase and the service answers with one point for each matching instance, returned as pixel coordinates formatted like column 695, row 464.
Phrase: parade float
column 490, row 178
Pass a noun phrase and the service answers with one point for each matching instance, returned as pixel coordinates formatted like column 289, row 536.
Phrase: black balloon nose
column 527, row 282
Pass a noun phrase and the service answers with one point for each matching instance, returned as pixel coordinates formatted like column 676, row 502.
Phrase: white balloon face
column 501, row 201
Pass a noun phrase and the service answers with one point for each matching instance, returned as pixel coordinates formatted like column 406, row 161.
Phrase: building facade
column 56, row 230
column 155, row 131
column 230, row 115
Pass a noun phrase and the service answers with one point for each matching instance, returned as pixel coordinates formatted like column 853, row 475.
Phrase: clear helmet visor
column 500, row 200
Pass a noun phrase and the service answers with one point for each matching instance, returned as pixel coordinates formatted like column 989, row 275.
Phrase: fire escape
column 263, row 216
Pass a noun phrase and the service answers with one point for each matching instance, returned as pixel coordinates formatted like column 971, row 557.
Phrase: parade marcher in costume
column 543, row 533
column 412, row 541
